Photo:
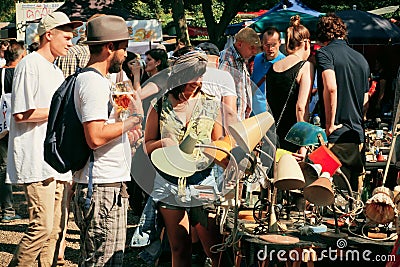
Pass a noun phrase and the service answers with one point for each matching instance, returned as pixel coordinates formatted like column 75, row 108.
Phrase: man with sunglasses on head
column 233, row 59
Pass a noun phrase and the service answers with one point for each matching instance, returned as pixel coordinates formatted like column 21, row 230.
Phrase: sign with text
column 31, row 11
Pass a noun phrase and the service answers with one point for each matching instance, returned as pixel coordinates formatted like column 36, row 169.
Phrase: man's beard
column 115, row 67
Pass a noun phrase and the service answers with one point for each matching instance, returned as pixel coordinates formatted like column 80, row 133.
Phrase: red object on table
column 329, row 162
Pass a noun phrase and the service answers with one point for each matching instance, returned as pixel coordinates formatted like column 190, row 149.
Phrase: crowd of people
column 189, row 93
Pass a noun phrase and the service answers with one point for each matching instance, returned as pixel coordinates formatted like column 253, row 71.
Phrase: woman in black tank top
column 289, row 84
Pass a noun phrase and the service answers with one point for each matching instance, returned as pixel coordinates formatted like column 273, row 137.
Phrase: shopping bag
column 5, row 101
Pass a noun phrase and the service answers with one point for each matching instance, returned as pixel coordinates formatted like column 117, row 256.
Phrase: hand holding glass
column 125, row 100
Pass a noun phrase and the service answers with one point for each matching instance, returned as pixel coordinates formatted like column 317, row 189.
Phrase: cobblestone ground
column 11, row 233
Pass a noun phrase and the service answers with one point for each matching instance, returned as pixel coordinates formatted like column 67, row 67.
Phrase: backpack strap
column 91, row 158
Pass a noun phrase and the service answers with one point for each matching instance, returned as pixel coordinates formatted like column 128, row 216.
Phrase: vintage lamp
column 320, row 192
column 305, row 134
column 249, row 132
column 288, row 174
column 178, row 160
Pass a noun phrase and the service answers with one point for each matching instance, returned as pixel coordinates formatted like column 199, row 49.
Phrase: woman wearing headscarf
column 184, row 110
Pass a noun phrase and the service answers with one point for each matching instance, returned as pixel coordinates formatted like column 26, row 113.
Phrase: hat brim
column 106, row 41
column 72, row 24
column 173, row 161
column 75, row 24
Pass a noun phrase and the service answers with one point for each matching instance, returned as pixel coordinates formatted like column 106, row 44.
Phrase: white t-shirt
column 218, row 83
column 2, row 62
column 113, row 77
column 34, row 83
column 112, row 161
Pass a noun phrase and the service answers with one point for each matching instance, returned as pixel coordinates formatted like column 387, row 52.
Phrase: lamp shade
column 220, row 157
column 176, row 160
column 380, row 207
column 305, row 134
column 248, row 133
column 311, row 172
column 329, row 162
column 320, row 192
column 288, row 174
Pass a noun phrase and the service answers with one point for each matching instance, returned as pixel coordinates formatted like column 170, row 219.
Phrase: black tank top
column 277, row 90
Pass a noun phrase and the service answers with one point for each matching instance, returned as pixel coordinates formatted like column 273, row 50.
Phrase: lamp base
column 332, row 235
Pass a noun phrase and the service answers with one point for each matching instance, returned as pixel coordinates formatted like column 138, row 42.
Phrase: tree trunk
column 216, row 31
column 178, row 15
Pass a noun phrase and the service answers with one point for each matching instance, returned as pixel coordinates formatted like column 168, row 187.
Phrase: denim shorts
column 167, row 192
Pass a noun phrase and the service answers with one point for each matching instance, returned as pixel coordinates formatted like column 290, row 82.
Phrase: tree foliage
column 216, row 15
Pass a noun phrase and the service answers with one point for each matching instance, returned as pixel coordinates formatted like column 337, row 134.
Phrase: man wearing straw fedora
column 36, row 79
column 102, row 220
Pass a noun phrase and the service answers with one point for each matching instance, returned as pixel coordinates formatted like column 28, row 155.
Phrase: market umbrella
column 281, row 19
column 279, row 16
column 367, row 28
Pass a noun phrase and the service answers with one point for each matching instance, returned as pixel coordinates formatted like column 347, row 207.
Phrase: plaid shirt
column 230, row 60
column 77, row 56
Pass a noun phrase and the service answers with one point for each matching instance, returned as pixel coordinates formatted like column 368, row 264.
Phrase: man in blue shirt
column 262, row 62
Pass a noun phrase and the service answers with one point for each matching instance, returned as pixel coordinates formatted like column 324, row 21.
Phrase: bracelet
column 138, row 115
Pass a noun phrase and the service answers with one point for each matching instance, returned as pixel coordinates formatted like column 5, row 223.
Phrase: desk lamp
column 178, row 160
column 247, row 134
column 288, row 174
column 320, row 192
column 305, row 134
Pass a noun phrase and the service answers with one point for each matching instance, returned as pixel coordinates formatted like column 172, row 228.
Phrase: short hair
column 182, row 51
column 33, row 47
column 271, row 30
column 97, row 48
column 14, row 51
column 330, row 27
column 64, row 28
column 248, row 35
column 209, row 48
column 159, row 54
column 296, row 33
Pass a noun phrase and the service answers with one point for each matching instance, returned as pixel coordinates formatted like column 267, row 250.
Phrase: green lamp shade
column 305, row 134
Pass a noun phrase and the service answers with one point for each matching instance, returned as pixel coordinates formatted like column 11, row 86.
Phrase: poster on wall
column 140, row 31
column 25, row 12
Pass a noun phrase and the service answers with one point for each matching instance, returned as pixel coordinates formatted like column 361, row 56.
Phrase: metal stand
column 336, row 234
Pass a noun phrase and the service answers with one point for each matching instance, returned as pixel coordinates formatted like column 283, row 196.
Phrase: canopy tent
column 279, row 16
column 84, row 9
column 367, row 28
column 384, row 10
